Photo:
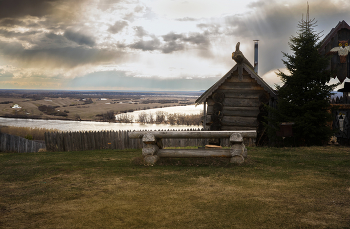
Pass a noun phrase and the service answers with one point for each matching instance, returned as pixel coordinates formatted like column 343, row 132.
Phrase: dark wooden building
column 336, row 44
column 235, row 102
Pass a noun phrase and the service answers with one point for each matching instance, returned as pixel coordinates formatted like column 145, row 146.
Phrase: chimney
column 256, row 56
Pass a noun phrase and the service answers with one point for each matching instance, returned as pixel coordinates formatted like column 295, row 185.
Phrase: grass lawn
column 305, row 187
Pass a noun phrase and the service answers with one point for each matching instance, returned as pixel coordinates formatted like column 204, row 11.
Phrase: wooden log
column 193, row 134
column 237, row 128
column 65, row 142
column 237, row 159
column 238, row 113
column 113, row 140
column 57, row 143
column 236, row 138
column 242, row 94
column 46, row 139
column 239, row 121
column 238, row 149
column 233, row 102
column 254, row 112
column 240, row 86
column 85, row 140
column 148, row 138
column 151, row 159
column 193, row 153
column 93, row 141
column 149, row 149
column 246, row 78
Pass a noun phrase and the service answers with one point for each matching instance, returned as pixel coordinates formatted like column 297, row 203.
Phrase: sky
column 147, row 45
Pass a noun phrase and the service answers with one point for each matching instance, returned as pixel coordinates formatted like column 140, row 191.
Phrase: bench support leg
column 150, row 148
column 238, row 150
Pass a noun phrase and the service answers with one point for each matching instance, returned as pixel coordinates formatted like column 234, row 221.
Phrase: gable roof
column 333, row 32
column 252, row 73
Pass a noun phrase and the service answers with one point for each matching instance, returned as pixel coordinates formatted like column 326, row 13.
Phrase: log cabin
column 235, row 102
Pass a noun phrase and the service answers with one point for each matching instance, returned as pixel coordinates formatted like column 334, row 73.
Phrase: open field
column 275, row 188
column 71, row 105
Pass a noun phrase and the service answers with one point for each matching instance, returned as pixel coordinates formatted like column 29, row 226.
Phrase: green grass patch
column 307, row 187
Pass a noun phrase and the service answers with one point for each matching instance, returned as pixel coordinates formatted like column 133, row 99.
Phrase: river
column 189, row 110
column 62, row 125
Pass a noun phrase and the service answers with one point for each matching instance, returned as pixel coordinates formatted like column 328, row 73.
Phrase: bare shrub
column 142, row 117
column 150, row 118
column 77, row 117
column 107, row 117
column 160, row 116
column 183, row 119
column 172, row 119
column 124, row 118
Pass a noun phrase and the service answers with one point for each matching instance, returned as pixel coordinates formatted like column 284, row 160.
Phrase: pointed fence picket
column 11, row 143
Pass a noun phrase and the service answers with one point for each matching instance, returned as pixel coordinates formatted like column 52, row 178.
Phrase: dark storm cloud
column 79, row 38
column 193, row 38
column 140, row 31
column 51, row 40
column 172, row 37
column 149, row 45
column 212, row 29
column 273, row 23
column 12, row 22
column 109, row 79
column 197, row 38
column 272, row 26
column 52, row 14
column 172, row 42
column 69, row 57
column 117, row 27
column 20, row 8
column 172, row 46
column 18, row 35
column 176, row 42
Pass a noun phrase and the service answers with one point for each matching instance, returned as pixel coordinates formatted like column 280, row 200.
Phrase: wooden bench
column 152, row 148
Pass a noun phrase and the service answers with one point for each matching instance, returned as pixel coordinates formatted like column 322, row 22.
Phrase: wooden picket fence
column 340, row 100
column 12, row 143
column 92, row 140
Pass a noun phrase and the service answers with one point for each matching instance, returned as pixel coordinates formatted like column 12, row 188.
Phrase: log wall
column 240, row 105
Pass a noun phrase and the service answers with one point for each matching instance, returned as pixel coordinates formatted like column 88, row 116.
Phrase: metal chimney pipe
column 256, row 56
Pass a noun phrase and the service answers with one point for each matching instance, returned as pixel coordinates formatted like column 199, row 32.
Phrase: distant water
column 100, row 126
column 189, row 110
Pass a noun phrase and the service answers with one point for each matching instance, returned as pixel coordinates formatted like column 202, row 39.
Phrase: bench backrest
column 193, row 134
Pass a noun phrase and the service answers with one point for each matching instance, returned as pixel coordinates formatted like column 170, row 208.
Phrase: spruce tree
column 305, row 98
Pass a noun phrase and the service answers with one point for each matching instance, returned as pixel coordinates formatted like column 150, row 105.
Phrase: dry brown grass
column 275, row 188
column 26, row 132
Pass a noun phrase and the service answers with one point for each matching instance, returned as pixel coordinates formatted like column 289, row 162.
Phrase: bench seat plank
column 176, row 153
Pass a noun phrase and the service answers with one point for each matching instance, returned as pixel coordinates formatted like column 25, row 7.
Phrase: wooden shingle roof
column 248, row 67
column 333, row 32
